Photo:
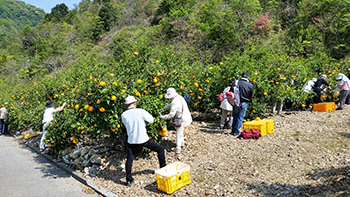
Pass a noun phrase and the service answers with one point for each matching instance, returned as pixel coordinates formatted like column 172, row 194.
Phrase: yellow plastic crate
column 172, row 177
column 270, row 125
column 324, row 107
column 259, row 125
column 29, row 134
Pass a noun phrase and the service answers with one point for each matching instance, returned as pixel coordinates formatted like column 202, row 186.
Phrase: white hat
column 340, row 77
column 324, row 75
column 129, row 100
column 314, row 80
column 6, row 103
column 170, row 93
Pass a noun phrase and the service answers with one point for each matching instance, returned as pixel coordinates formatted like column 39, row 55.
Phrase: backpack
column 233, row 96
column 186, row 97
column 250, row 134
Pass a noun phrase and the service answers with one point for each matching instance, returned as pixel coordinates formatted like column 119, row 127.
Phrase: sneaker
column 129, row 183
column 340, row 108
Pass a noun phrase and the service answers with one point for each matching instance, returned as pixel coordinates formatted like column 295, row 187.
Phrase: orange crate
column 270, row 125
column 324, row 107
column 259, row 125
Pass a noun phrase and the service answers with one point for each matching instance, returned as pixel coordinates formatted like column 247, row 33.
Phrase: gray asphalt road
column 24, row 173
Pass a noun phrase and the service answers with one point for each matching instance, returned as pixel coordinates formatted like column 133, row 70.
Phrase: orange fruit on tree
column 255, row 74
column 265, row 93
column 98, row 101
column 113, row 98
column 86, row 107
column 221, row 63
column 91, row 108
column 114, row 130
column 102, row 109
column 157, row 61
column 181, row 88
column 112, row 75
column 158, row 74
column 137, row 94
column 82, row 128
column 136, row 53
column 200, row 90
column 118, row 126
column 193, row 77
column 195, row 84
column 155, row 80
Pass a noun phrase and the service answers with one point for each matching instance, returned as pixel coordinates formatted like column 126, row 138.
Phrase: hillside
column 19, row 14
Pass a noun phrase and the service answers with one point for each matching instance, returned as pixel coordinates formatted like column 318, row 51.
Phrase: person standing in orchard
column 226, row 109
column 134, row 120
column 344, row 85
column 318, row 87
column 3, row 115
column 246, row 93
column 47, row 118
column 182, row 117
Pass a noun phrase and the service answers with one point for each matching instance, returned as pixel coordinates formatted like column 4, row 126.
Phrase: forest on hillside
column 96, row 54
column 14, row 15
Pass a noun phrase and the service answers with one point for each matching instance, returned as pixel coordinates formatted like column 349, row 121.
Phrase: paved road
column 23, row 173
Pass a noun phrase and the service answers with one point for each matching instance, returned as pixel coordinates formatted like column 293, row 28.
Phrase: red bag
column 250, row 134
column 221, row 96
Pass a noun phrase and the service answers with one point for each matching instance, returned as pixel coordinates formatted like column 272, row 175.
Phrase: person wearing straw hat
column 318, row 87
column 344, row 85
column 134, row 120
column 178, row 110
column 3, row 115
column 47, row 118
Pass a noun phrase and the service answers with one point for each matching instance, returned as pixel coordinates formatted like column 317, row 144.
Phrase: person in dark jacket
column 246, row 93
column 318, row 87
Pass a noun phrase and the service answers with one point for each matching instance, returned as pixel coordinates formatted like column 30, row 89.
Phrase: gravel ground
column 307, row 155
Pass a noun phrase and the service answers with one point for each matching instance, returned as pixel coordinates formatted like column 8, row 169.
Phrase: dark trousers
column 317, row 97
column 136, row 148
column 3, row 127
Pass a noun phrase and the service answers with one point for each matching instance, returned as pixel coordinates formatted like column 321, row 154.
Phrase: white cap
column 129, row 100
column 170, row 93
column 324, row 75
column 314, row 80
column 340, row 77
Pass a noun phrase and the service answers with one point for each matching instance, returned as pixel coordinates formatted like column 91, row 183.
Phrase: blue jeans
column 238, row 115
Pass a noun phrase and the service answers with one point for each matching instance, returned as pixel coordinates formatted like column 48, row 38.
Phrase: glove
column 160, row 116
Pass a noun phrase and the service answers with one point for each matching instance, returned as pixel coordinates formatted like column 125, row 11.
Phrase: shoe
column 340, row 108
column 129, row 183
column 234, row 134
column 183, row 147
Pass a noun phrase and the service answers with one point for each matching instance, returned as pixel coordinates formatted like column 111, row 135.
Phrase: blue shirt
column 134, row 121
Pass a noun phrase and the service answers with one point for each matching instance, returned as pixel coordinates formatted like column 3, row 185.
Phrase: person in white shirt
column 3, row 115
column 226, row 109
column 134, row 121
column 48, row 117
column 178, row 109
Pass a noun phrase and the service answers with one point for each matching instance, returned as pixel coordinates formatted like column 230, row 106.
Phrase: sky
column 48, row 4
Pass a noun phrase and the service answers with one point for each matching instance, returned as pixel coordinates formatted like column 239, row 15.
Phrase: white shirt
column 134, row 121
column 48, row 114
column 178, row 108
column 308, row 86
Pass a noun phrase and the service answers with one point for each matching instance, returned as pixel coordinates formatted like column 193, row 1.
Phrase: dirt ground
column 307, row 155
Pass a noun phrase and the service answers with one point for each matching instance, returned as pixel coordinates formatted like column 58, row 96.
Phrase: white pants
column 223, row 118
column 42, row 144
column 180, row 141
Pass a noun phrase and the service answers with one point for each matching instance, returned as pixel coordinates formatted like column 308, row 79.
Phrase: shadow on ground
column 335, row 182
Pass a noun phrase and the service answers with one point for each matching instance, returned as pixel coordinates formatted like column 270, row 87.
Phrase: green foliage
column 87, row 55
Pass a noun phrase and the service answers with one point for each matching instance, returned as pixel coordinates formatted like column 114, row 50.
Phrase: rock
column 92, row 152
column 68, row 150
column 101, row 149
column 66, row 160
column 77, row 164
column 86, row 156
column 93, row 170
column 84, row 150
column 86, row 170
column 95, row 159
column 75, row 154
column 85, row 163
column 109, row 145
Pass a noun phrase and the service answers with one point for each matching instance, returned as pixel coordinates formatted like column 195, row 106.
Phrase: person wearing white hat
column 307, row 88
column 178, row 110
column 134, row 120
column 318, row 87
column 344, row 85
column 47, row 118
column 3, row 115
